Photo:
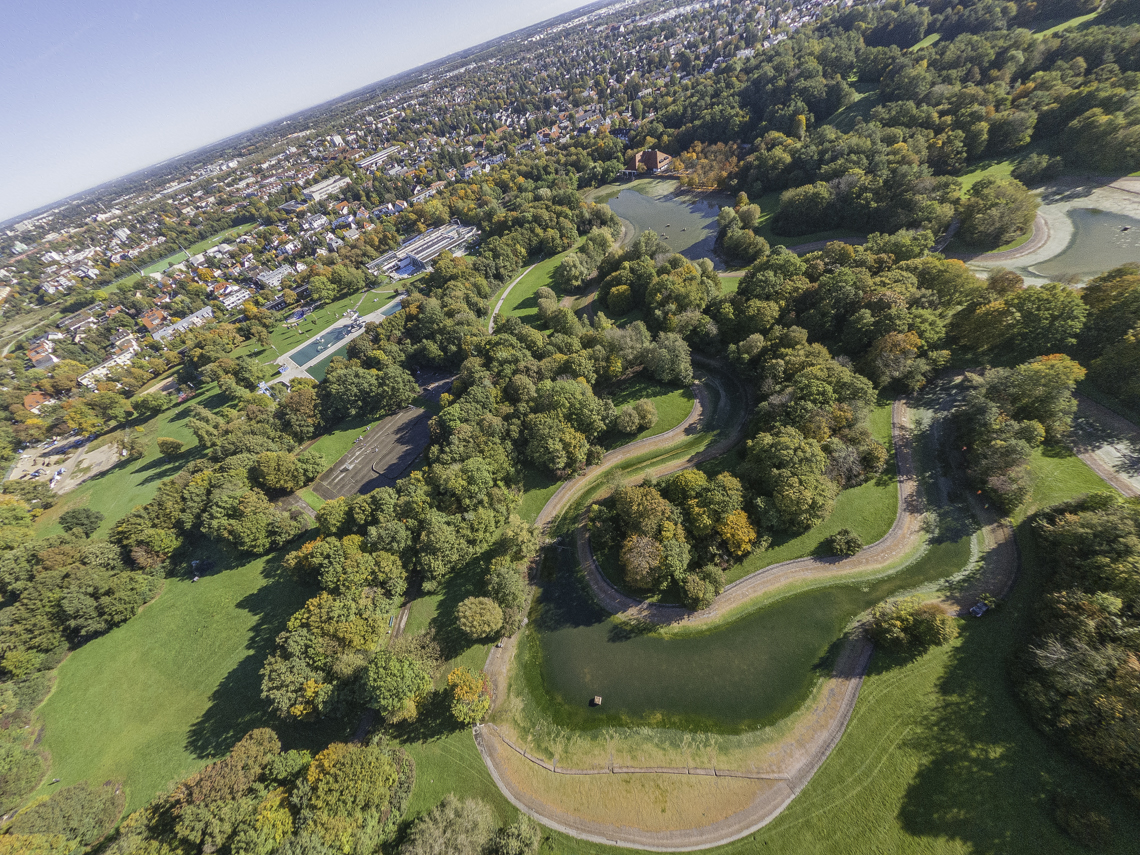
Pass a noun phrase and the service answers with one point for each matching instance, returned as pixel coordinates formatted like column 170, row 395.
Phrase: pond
column 1101, row 240
column 748, row 674
column 685, row 222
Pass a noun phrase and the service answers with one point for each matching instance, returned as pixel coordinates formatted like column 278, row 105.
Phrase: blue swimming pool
column 334, row 338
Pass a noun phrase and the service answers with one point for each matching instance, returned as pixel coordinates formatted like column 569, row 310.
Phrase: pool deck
column 1053, row 228
column 294, row 370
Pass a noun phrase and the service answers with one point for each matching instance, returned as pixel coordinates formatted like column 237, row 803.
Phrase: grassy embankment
column 938, row 757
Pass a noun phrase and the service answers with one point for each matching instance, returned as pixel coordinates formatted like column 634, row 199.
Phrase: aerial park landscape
column 778, row 497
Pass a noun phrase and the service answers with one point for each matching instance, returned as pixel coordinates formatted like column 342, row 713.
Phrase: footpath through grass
column 939, row 756
column 177, row 685
column 521, row 302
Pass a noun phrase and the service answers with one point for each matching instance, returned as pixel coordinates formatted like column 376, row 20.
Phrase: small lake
column 1101, row 241
column 685, row 222
column 748, row 674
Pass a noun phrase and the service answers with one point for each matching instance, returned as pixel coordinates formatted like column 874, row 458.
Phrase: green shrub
column 168, row 447
column 911, row 625
column 85, row 520
column 845, row 542
column 480, row 617
column 82, row 813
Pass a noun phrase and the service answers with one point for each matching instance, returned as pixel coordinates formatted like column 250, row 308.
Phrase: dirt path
column 503, row 296
column 904, row 536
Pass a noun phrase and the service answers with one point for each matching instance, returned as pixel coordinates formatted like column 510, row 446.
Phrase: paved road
column 381, row 458
column 1109, row 444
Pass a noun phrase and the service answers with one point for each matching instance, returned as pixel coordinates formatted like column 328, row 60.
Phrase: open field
column 521, row 302
column 177, row 685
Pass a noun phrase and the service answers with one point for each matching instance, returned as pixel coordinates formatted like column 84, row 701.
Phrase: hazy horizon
column 97, row 95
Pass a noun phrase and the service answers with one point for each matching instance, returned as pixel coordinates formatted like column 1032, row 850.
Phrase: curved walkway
column 1040, row 236
column 503, row 296
column 789, row 764
column 903, row 537
column 792, row 762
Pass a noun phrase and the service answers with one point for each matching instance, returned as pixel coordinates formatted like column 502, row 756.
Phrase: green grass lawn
column 337, row 442
column 134, row 482
column 177, row 685
column 1056, row 474
column 521, row 302
column 538, row 487
column 867, row 99
column 927, row 42
column 999, row 169
column 729, row 284
column 1056, row 25
column 673, row 406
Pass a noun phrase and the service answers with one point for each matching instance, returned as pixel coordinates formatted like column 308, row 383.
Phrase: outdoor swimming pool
column 326, row 341
column 333, row 339
column 1101, row 241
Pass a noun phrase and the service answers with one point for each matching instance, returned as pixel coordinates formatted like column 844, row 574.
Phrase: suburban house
column 40, row 355
column 195, row 320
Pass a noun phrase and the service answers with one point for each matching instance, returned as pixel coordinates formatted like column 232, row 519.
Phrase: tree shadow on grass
column 987, row 776
column 236, row 706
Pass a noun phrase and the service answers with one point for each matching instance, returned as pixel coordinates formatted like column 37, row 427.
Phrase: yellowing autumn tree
column 738, row 533
column 470, row 694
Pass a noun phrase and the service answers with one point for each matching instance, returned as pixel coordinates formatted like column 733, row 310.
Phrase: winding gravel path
column 789, row 764
column 903, row 537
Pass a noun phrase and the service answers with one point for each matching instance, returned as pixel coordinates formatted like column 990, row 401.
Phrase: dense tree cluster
column 1007, row 413
column 986, row 90
column 1078, row 675
column 911, row 625
column 347, row 800
column 60, row 591
column 676, row 535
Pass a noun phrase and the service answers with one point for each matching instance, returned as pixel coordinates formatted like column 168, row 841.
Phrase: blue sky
column 90, row 90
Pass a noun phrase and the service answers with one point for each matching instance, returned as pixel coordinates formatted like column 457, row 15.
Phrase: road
column 503, row 296
column 381, row 458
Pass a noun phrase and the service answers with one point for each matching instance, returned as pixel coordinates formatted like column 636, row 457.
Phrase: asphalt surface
column 381, row 458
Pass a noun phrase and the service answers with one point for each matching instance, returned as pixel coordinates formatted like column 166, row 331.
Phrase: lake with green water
column 1101, row 241
column 685, row 222
column 750, row 673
